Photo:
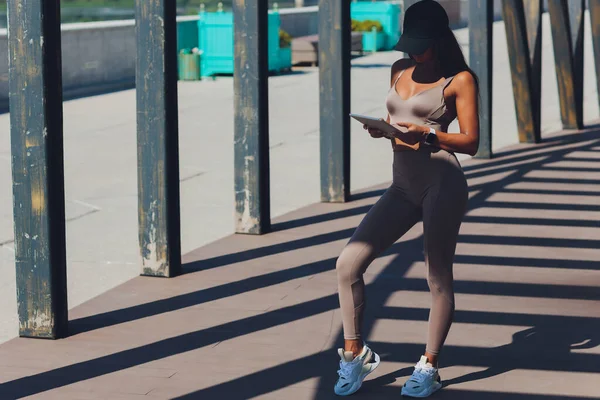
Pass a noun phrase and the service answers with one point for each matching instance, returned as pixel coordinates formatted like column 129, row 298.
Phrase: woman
column 428, row 91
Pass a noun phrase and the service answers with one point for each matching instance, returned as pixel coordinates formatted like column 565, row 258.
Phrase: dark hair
column 450, row 57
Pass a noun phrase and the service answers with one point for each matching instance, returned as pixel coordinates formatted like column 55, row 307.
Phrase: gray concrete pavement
column 100, row 162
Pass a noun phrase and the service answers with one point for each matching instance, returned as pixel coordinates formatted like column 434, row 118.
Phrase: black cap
column 424, row 23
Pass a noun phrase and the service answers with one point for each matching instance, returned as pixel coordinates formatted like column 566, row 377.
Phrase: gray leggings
column 428, row 185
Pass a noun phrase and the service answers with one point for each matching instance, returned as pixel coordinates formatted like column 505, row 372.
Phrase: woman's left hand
column 411, row 133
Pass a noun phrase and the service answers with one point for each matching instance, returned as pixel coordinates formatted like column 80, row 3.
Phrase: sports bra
column 427, row 108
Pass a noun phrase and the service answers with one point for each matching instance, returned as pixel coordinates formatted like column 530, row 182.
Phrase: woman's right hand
column 375, row 133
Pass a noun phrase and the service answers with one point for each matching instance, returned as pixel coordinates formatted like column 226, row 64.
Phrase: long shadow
column 571, row 169
column 585, row 159
column 506, row 289
column 573, row 181
column 170, row 304
column 553, row 342
column 530, row 241
column 316, row 219
column 542, row 206
column 579, row 223
column 526, row 262
column 588, row 324
column 559, row 181
column 554, row 192
column 258, row 252
column 367, row 195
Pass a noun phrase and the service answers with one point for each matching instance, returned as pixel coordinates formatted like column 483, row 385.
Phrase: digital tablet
column 378, row 123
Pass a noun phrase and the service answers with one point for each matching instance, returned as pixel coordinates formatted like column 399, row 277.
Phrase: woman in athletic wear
column 428, row 91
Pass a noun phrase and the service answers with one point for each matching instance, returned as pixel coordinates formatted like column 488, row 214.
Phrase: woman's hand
column 411, row 133
column 375, row 133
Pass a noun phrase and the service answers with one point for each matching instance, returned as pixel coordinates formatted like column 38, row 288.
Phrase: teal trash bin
column 189, row 65
column 387, row 13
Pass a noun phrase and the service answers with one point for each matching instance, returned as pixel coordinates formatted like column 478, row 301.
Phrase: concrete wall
column 96, row 57
column 300, row 21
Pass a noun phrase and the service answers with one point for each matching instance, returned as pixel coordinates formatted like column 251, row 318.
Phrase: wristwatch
column 430, row 137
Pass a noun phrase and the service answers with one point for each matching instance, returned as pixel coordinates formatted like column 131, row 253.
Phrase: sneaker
column 424, row 381
column 353, row 370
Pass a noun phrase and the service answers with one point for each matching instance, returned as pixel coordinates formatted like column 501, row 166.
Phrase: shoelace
column 421, row 373
column 345, row 369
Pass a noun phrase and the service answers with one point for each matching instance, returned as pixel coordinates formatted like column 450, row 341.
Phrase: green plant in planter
column 366, row 25
column 285, row 40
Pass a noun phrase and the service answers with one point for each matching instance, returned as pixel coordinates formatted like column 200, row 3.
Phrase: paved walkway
column 257, row 316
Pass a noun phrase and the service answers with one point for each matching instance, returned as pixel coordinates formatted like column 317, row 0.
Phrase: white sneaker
column 353, row 370
column 424, row 381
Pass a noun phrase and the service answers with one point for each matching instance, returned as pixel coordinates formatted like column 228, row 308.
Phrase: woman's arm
column 464, row 90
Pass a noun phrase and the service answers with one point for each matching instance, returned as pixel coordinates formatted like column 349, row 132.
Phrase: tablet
column 378, row 123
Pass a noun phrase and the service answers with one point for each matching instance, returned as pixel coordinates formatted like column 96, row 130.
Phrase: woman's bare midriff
column 399, row 145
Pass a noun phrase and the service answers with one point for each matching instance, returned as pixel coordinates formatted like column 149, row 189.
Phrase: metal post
column 35, row 86
column 523, row 23
column 481, row 15
column 251, row 117
column 595, row 23
column 566, row 20
column 157, row 129
column 334, row 78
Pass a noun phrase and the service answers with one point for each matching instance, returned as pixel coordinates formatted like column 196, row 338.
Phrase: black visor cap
column 424, row 23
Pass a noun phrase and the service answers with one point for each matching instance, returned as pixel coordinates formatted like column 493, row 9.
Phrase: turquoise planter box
column 285, row 58
column 386, row 13
column 374, row 41
column 215, row 40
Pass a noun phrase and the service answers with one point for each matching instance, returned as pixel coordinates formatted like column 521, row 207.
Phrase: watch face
column 430, row 138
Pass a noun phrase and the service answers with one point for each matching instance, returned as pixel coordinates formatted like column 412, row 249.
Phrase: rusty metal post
column 334, row 78
column 566, row 20
column 251, row 117
column 523, row 24
column 481, row 16
column 35, row 86
column 595, row 23
column 157, row 130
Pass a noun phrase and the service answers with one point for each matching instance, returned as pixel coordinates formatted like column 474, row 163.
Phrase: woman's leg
column 444, row 207
column 391, row 217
